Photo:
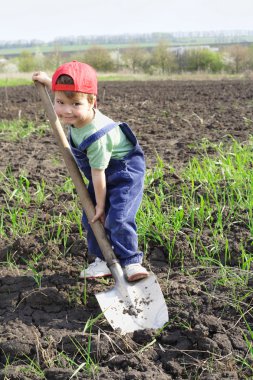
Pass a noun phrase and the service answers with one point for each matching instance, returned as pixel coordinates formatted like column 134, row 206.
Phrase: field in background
column 79, row 44
column 17, row 79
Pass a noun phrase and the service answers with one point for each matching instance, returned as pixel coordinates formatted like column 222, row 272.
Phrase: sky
column 48, row 19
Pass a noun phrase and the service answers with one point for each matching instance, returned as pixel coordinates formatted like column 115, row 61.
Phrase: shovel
column 127, row 306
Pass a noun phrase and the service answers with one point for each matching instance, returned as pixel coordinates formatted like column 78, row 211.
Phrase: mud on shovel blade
column 133, row 306
column 127, row 306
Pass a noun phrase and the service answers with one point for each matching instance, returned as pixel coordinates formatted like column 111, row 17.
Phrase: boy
column 111, row 159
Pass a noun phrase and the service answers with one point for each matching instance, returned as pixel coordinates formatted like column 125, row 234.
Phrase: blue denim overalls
column 124, row 181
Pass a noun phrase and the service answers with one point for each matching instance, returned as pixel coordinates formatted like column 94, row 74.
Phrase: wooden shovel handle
column 76, row 176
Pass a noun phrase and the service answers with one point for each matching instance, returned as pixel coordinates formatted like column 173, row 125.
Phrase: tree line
column 162, row 59
column 229, row 36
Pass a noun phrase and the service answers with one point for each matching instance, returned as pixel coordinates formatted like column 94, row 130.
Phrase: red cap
column 83, row 75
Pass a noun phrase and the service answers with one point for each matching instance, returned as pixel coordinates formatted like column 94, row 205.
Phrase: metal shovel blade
column 134, row 306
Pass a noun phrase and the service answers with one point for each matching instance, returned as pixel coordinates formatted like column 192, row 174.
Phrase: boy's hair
column 66, row 79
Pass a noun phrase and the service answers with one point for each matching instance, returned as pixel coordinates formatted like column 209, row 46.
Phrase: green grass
column 17, row 79
column 21, row 194
column 25, row 79
column 19, row 129
column 215, row 195
column 13, row 82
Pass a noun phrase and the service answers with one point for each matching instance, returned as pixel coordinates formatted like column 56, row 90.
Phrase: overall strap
column 97, row 135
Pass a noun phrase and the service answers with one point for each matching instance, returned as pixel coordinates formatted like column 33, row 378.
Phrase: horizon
column 178, row 34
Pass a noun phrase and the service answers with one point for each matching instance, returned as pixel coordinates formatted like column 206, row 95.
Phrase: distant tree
column 26, row 62
column 9, row 67
column 3, row 63
column 98, row 57
column 134, row 58
column 204, row 59
column 251, row 57
column 241, row 58
column 39, row 60
column 54, row 59
column 147, row 63
column 163, row 58
column 181, row 59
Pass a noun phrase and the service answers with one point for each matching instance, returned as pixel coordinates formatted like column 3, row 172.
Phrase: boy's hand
column 99, row 214
column 42, row 77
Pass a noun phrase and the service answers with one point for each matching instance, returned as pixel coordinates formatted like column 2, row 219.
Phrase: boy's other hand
column 42, row 77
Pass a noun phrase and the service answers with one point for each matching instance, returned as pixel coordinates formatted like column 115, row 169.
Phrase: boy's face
column 76, row 111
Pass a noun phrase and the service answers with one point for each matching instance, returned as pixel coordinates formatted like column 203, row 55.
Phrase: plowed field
column 205, row 338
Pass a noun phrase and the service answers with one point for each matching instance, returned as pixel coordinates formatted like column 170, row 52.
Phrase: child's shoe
column 96, row 269
column 134, row 272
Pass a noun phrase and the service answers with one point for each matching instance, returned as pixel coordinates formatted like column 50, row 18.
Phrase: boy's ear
column 93, row 101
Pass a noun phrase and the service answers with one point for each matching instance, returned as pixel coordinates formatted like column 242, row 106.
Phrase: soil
column 205, row 338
